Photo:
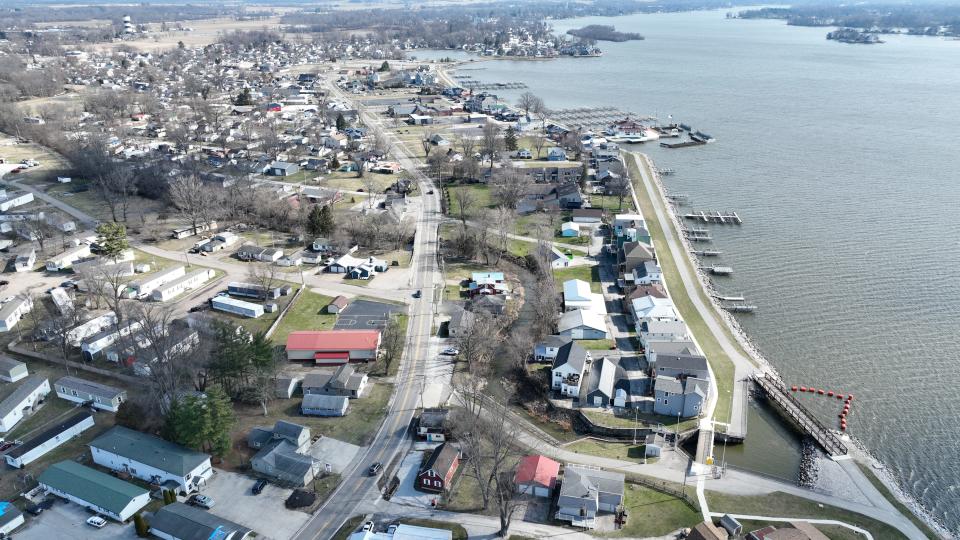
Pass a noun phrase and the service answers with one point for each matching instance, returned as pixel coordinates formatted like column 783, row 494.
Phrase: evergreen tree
column 334, row 163
column 188, row 422
column 327, row 224
column 221, row 421
column 141, row 526
column 385, row 66
column 112, row 239
column 510, row 139
column 244, row 98
column 341, row 122
column 315, row 221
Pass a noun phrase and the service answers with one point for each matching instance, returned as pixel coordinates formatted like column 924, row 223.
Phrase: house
column 405, row 532
column 662, row 330
column 633, row 254
column 683, row 397
column 10, row 518
column 190, row 230
column 460, row 322
column 654, row 349
column 556, row 154
column 21, row 399
column 271, row 255
column 287, row 385
column 623, row 222
column 537, row 475
column 547, row 350
column 647, row 273
column 250, row 252
column 343, row 382
column 90, row 328
column 183, row 284
column 798, row 530
column 98, row 395
column 587, row 215
column 280, row 456
column 92, row 347
column 37, row 446
column 146, row 286
column 67, row 258
column 582, row 324
column 706, row 530
column 98, row 491
column 682, row 365
column 436, row 473
column 324, row 405
column 12, row 370
column 322, row 245
column 253, row 290
column 487, row 283
column 587, row 491
column 220, row 242
column 151, row 459
column 568, row 366
column 236, row 307
column 282, row 168
column 600, row 390
column 13, row 200
column 179, row 521
column 651, row 308
column 338, row 304
column 577, row 295
column 433, row 426
column 25, row 260
column 568, row 195
column 569, row 229
column 495, row 305
column 557, row 258
column 524, row 153
column 333, row 347
column 293, row 259
column 655, row 290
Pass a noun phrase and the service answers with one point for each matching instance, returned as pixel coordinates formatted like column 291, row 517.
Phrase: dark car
column 430, row 192
column 417, row 294
column 258, row 487
column 375, row 469
column 33, row 509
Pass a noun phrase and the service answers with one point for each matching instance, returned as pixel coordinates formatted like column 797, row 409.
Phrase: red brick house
column 437, row 471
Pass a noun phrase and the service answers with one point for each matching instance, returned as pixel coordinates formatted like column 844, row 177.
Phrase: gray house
column 682, row 396
column 280, row 456
column 677, row 365
column 587, row 491
column 321, row 405
column 343, row 382
column 12, row 370
column 656, row 348
column 97, row 395
column 178, row 521
column 282, row 168
column 600, row 388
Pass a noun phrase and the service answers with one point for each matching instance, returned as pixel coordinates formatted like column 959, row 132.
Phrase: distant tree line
column 601, row 32
column 920, row 19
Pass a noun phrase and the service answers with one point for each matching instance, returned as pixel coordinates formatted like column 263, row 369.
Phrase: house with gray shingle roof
column 19, row 400
column 12, row 370
column 152, row 459
column 683, row 396
column 182, row 522
column 568, row 368
column 97, row 395
column 95, row 490
column 587, row 491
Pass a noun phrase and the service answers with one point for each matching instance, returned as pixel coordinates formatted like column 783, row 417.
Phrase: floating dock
column 665, row 172
column 720, row 270
column 593, row 117
column 707, row 253
column 739, row 308
column 733, row 298
column 778, row 394
column 682, row 144
column 728, row 217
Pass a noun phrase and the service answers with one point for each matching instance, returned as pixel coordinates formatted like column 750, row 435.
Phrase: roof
column 666, row 347
column 317, row 340
column 340, row 301
column 686, row 363
column 571, row 353
column 554, row 341
column 89, row 387
column 649, row 307
column 9, row 364
column 576, row 289
column 539, row 470
column 190, row 523
column 581, row 482
column 91, row 485
column 320, row 401
column 412, row 532
column 588, row 212
column 282, row 455
column 441, row 460
column 48, row 434
column 150, row 450
column 20, row 392
column 608, row 376
column 707, row 531
column 289, row 430
column 486, row 277
column 581, row 317
column 8, row 513
column 433, row 418
column 640, row 250
column 13, row 305
column 656, row 290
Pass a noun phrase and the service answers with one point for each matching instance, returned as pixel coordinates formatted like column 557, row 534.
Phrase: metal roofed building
column 151, row 459
column 95, row 490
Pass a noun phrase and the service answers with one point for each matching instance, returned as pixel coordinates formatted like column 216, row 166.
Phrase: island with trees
column 852, row 35
column 862, row 23
column 602, row 32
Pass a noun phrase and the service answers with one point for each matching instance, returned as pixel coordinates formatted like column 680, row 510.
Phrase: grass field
column 481, row 195
column 782, row 504
column 590, row 274
column 668, row 422
column 651, row 513
column 308, row 313
column 721, row 364
column 614, row 450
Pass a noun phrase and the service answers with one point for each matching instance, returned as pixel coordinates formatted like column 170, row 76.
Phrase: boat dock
column 720, row 270
column 707, row 253
column 733, row 298
column 727, row 218
column 682, row 144
column 593, row 117
column 778, row 394
column 739, row 308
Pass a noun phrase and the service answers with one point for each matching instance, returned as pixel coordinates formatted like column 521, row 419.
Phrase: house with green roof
column 100, row 492
column 152, row 459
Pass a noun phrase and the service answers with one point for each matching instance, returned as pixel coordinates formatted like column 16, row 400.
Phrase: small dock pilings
column 725, row 218
column 779, row 395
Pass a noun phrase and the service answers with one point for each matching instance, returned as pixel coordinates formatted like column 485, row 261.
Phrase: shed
column 12, row 370
column 338, row 304
column 321, row 405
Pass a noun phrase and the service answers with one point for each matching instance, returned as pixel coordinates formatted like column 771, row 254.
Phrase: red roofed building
column 537, row 475
column 333, row 347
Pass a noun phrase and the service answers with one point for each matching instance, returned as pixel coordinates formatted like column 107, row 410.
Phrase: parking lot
column 67, row 521
column 365, row 314
column 264, row 513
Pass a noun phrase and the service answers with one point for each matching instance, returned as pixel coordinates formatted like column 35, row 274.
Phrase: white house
column 90, row 328
column 12, row 370
column 67, row 258
column 25, row 260
column 583, row 324
column 151, row 459
column 12, row 311
column 658, row 330
column 153, row 281
column 92, row 346
column 20, row 400
column 37, row 446
column 622, row 222
column 13, row 200
column 181, row 285
column 567, row 371
column 98, row 395
column 648, row 308
column 648, row 273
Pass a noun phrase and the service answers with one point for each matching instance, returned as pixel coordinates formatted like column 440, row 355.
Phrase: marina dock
column 707, row 253
column 728, row 217
column 720, row 270
column 593, row 117
column 682, row 144
column 778, row 394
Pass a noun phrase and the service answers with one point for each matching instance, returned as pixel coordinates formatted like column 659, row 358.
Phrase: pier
column 728, row 217
column 804, row 420
column 739, row 308
column 732, row 298
column 593, row 117
column 682, row 144
column 707, row 253
column 720, row 270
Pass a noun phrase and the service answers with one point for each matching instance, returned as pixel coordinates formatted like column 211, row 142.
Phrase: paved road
column 357, row 487
column 81, row 216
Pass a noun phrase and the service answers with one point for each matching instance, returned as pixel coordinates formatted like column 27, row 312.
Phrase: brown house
column 438, row 470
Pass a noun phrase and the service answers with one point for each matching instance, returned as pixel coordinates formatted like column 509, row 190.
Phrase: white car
column 368, row 526
column 450, row 351
column 96, row 521
column 202, row 501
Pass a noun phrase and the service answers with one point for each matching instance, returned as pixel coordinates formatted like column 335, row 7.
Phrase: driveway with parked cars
column 264, row 513
column 67, row 521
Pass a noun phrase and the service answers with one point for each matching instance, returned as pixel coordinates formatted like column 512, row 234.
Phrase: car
column 202, row 501
column 7, row 299
column 375, row 469
column 96, row 522
column 368, row 526
column 417, row 294
column 450, row 351
column 197, row 309
column 430, row 192
column 258, row 487
column 392, row 529
column 33, row 509
column 68, row 284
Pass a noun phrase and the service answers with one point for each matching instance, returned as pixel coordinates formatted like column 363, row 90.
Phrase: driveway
column 264, row 513
column 67, row 521
column 406, row 494
column 338, row 454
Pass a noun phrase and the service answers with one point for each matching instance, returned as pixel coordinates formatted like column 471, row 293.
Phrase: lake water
column 843, row 161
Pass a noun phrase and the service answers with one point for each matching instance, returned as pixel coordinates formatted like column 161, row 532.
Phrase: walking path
column 813, row 521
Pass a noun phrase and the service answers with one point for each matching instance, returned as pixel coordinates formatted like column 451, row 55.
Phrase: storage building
column 237, row 307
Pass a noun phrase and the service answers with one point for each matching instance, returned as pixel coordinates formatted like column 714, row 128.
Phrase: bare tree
column 529, row 102
column 539, row 141
column 359, row 160
column 469, row 168
column 427, row 143
column 476, row 344
column 264, row 275
column 509, row 186
column 38, row 230
column 194, row 200
column 504, row 217
column 106, row 283
column 491, row 142
column 391, row 346
column 466, row 200
column 618, row 184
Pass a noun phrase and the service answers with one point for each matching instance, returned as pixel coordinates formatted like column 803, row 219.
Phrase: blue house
column 556, row 154
column 680, row 396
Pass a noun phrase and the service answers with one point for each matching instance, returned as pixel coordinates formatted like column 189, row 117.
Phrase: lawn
column 651, row 513
column 350, row 182
column 782, row 504
column 647, row 419
column 401, row 256
column 465, row 496
column 590, row 274
column 596, row 344
column 521, row 248
column 614, row 450
column 721, row 364
column 481, row 195
column 308, row 313
column 611, row 203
